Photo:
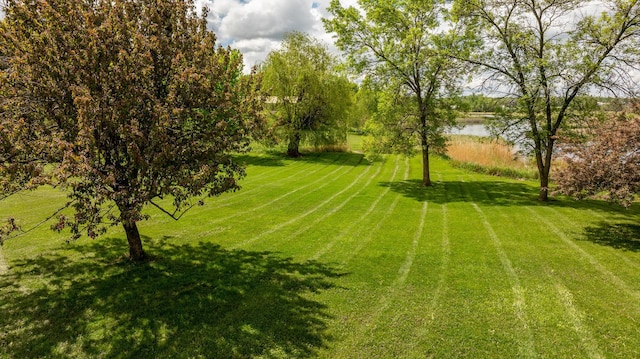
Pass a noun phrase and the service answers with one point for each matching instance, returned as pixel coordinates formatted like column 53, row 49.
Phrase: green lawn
column 331, row 256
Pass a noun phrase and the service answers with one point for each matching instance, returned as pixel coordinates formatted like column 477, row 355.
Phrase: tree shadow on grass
column 625, row 236
column 489, row 192
column 190, row 301
column 277, row 159
column 337, row 158
column 269, row 160
column 493, row 193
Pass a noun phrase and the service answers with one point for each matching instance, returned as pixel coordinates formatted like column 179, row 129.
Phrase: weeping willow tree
column 309, row 101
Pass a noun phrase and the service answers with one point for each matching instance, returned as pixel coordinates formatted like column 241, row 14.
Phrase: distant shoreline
column 474, row 118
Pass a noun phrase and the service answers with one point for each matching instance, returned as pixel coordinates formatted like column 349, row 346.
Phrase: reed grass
column 488, row 156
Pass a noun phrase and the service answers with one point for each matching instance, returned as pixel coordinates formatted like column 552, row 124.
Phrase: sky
column 255, row 27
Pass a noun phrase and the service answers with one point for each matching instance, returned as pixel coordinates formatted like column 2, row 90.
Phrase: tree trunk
column 545, row 170
column 136, row 253
column 544, row 187
column 293, row 150
column 426, row 176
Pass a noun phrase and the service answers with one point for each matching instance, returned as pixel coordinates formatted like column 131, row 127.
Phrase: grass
column 331, row 256
column 488, row 156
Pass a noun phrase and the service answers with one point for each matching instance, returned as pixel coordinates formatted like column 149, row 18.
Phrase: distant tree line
column 490, row 104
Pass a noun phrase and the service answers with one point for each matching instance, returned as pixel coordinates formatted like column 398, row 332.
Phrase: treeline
column 490, row 104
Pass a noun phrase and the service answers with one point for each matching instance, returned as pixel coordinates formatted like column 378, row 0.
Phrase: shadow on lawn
column 276, row 159
column 270, row 160
column 190, row 301
column 337, row 158
column 493, row 193
column 489, row 192
column 624, row 236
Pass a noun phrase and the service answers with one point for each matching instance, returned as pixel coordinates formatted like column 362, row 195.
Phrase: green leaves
column 309, row 98
column 129, row 100
column 404, row 45
column 547, row 54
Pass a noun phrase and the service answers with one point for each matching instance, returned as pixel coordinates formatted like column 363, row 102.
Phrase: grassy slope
column 331, row 256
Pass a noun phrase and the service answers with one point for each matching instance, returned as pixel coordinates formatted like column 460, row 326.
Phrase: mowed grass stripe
column 477, row 306
column 279, row 164
column 607, row 231
column 446, row 253
column 271, row 202
column 316, row 222
column 353, row 224
column 527, row 341
column 403, row 272
column 434, row 253
column 216, row 224
column 390, row 295
column 588, row 341
column 301, row 216
column 365, row 240
column 4, row 268
column 367, row 297
column 611, row 277
column 528, row 347
column 252, row 188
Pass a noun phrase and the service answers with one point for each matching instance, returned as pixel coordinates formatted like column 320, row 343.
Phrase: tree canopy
column 310, row 101
column 399, row 43
column 125, row 104
column 546, row 54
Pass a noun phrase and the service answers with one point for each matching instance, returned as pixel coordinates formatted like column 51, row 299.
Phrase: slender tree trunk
column 546, row 170
column 543, row 159
column 293, row 150
column 543, row 174
column 426, row 176
column 136, row 253
column 544, row 187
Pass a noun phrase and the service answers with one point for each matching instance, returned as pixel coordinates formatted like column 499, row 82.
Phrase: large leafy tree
column 399, row 43
column 124, row 103
column 310, row 101
column 546, row 53
column 605, row 160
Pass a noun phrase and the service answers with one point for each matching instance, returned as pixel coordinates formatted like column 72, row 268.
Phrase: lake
column 474, row 129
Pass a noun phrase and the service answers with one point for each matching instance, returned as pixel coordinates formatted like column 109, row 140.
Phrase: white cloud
column 257, row 27
column 267, row 19
column 254, row 51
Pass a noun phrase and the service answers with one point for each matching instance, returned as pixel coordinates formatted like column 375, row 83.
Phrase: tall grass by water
column 331, row 256
column 489, row 156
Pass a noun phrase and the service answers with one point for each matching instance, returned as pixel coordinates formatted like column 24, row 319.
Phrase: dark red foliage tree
column 122, row 102
column 606, row 162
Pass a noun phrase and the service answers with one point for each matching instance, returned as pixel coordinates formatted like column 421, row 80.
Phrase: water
column 474, row 129
column 480, row 130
